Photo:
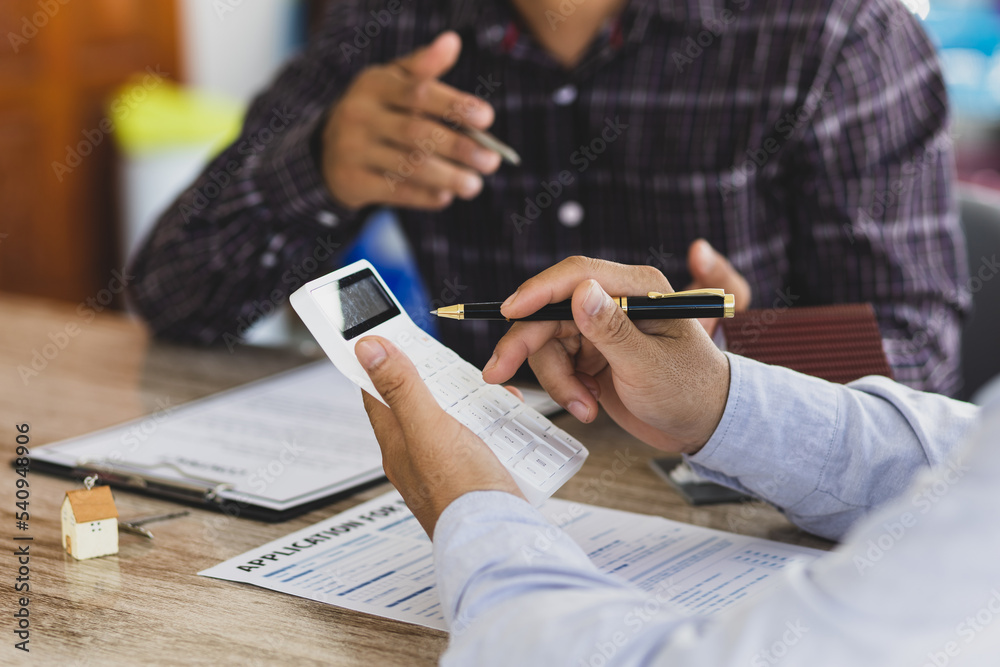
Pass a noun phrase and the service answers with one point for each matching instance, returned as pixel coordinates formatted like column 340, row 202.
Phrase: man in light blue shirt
column 916, row 580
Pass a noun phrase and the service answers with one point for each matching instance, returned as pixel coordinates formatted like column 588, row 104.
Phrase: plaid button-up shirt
column 807, row 141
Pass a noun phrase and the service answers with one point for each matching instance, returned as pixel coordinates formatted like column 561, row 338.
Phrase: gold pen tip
column 434, row 312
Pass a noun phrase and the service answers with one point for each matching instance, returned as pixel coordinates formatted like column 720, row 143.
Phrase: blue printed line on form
column 411, row 595
column 370, row 581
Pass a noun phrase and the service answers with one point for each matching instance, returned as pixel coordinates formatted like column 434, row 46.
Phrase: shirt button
column 565, row 95
column 495, row 33
column 570, row 214
column 327, row 218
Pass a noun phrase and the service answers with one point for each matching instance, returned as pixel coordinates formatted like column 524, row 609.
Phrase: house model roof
column 94, row 504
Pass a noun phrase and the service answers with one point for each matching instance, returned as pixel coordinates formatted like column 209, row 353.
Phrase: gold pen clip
column 728, row 300
column 709, row 291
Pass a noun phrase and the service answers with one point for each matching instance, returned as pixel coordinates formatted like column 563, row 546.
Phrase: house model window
column 90, row 523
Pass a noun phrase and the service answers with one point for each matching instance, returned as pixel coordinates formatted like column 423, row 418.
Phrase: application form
column 375, row 558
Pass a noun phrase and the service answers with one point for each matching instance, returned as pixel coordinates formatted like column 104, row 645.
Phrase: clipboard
column 312, row 434
column 226, row 439
column 192, row 494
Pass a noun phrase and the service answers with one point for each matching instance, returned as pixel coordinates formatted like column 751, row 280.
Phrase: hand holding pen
column 662, row 380
column 394, row 111
column 708, row 304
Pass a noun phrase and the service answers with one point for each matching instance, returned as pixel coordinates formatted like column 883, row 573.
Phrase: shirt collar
column 489, row 19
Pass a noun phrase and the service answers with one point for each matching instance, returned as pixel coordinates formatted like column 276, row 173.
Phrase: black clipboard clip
column 193, row 487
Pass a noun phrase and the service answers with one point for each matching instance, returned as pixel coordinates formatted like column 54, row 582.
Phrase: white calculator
column 342, row 306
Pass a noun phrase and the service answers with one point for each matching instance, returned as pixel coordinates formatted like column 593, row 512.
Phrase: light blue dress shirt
column 916, row 580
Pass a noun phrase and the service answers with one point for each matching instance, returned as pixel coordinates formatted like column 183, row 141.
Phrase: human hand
column 427, row 455
column 663, row 381
column 710, row 269
column 394, row 111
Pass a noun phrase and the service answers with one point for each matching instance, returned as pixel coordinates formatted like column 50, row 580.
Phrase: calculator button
column 542, row 462
column 533, row 474
column 570, row 441
column 467, row 380
column 489, row 397
column 508, row 441
column 446, row 380
column 519, row 431
column 467, row 419
column 544, row 450
column 445, row 397
column 428, row 366
column 445, row 394
column 519, row 434
column 503, row 445
column 505, row 399
column 474, row 418
column 559, row 444
column 533, row 421
column 491, row 410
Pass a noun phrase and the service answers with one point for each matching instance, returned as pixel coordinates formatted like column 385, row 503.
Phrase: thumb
column 397, row 380
column 433, row 60
column 709, row 268
column 605, row 324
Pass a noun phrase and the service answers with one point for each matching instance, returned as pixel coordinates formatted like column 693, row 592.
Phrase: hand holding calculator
column 342, row 306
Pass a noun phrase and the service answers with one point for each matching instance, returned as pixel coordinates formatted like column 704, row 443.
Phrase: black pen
column 654, row 306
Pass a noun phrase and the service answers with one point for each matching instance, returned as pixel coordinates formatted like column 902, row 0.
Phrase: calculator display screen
column 358, row 303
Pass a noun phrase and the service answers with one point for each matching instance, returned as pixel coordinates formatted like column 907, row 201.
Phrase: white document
column 275, row 443
column 375, row 558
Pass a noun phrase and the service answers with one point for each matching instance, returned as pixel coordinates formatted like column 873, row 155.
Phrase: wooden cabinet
column 61, row 62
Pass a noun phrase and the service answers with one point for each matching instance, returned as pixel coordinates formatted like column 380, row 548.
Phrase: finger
column 521, row 341
column 432, row 138
column 514, row 390
column 400, row 91
column 381, row 187
column 396, row 379
column 411, row 195
column 421, row 91
column 556, row 372
column 434, row 59
column 558, row 282
column 431, row 173
column 709, row 268
column 590, row 362
column 383, row 422
column 629, row 351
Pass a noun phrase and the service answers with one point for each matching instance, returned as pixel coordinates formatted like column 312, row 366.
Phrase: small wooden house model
column 90, row 523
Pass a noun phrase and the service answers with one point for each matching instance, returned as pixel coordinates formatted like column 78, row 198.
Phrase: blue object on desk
column 382, row 242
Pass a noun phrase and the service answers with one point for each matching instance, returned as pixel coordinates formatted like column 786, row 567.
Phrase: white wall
column 231, row 48
column 235, row 47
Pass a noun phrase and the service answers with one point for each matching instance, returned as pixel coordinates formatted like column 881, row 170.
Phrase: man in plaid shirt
column 807, row 142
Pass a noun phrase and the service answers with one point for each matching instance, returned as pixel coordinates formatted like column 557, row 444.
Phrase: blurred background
column 108, row 108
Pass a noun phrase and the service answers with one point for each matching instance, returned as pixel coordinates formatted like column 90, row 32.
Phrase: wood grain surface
column 146, row 605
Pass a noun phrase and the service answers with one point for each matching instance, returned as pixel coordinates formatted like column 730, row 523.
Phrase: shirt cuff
column 291, row 179
column 775, row 435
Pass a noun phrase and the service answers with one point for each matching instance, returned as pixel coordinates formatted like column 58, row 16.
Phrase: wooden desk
column 146, row 605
